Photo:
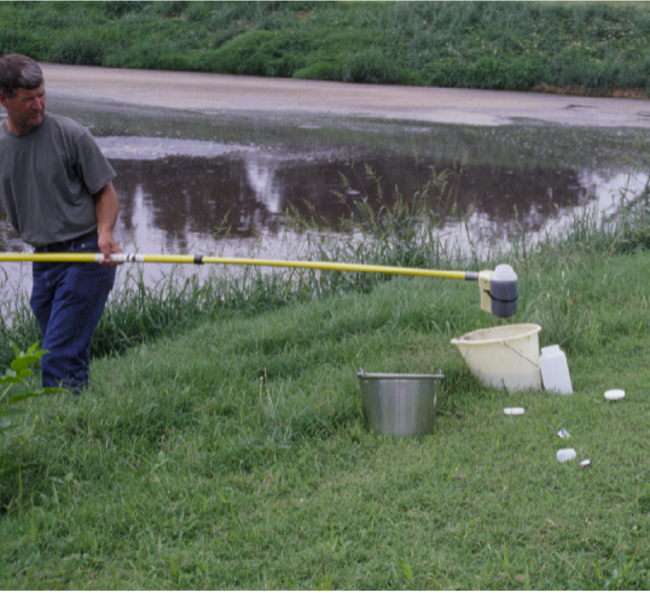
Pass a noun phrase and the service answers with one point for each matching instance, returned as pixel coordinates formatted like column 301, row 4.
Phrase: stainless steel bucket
column 399, row 405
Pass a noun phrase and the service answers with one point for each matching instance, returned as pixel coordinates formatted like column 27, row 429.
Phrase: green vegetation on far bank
column 587, row 47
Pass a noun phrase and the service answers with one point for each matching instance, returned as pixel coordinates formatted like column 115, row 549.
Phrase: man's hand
column 107, row 208
column 107, row 245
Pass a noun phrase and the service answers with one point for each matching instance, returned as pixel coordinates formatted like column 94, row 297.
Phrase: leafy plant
column 16, row 378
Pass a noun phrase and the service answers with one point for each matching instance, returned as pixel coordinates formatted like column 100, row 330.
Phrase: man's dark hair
column 18, row 72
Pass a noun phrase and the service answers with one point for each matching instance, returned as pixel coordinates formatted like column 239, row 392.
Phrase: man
column 56, row 187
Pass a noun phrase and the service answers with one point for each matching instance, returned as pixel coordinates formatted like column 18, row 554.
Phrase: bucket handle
column 520, row 354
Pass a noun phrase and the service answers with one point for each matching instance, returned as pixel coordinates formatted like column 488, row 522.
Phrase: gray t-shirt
column 47, row 180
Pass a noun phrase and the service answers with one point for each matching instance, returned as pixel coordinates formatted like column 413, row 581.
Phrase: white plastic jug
column 555, row 370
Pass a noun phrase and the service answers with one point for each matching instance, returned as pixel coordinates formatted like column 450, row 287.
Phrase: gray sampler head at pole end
column 503, row 291
column 504, row 310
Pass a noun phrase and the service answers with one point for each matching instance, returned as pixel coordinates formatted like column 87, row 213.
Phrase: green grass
column 232, row 455
column 592, row 47
column 235, row 457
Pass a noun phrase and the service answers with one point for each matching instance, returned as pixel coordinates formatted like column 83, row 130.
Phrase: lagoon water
column 231, row 182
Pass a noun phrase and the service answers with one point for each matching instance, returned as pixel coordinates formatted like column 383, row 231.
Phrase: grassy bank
column 590, row 47
column 234, row 455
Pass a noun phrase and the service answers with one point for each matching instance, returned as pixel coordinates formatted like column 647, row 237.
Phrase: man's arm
column 106, row 209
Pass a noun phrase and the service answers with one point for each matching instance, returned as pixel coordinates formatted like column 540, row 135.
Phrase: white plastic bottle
column 555, row 370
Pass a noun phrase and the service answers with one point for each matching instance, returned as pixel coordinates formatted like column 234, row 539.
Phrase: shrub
column 221, row 15
column 320, row 71
column 524, row 74
column 170, row 8
column 13, row 41
column 487, row 73
column 374, row 66
column 260, row 53
column 116, row 9
column 79, row 51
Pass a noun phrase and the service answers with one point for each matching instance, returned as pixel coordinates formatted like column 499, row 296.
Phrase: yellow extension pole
column 200, row 259
column 498, row 297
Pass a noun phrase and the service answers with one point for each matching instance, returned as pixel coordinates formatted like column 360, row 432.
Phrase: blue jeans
column 68, row 301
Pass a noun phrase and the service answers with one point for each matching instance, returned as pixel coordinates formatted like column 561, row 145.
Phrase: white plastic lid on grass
column 614, row 394
column 566, row 455
column 585, row 463
column 513, row 411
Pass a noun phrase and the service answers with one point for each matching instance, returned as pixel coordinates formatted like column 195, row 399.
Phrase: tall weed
column 398, row 230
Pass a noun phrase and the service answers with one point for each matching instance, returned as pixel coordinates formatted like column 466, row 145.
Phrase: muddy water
column 183, row 200
column 198, row 183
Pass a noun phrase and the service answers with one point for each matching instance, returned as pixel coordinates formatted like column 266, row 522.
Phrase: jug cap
column 614, row 394
column 566, row 455
column 553, row 348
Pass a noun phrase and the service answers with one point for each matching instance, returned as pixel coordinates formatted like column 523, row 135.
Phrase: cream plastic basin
column 505, row 357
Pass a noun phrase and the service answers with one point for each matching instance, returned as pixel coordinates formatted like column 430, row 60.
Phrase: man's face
column 25, row 110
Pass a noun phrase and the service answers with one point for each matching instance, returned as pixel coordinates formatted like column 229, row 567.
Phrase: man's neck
column 18, row 130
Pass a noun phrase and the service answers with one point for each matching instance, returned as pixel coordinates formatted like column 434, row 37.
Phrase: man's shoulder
column 65, row 124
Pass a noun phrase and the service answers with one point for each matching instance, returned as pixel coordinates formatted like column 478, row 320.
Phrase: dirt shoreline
column 212, row 93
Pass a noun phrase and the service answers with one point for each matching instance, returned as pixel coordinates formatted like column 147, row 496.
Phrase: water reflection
column 184, row 198
column 9, row 240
